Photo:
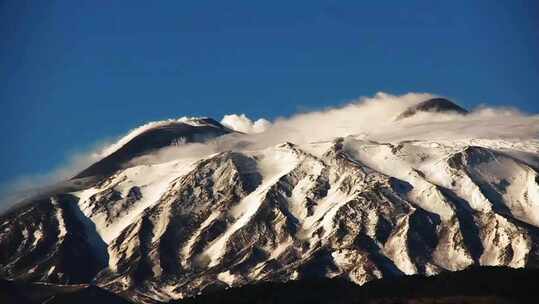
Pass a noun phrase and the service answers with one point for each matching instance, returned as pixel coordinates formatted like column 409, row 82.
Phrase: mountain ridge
column 349, row 208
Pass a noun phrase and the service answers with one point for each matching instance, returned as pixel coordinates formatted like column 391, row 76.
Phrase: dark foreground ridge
column 34, row 293
column 473, row 285
column 434, row 105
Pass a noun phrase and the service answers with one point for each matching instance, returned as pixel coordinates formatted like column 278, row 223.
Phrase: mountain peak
column 153, row 136
column 199, row 121
column 433, row 105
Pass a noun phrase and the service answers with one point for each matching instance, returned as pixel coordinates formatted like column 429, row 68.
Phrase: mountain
column 433, row 105
column 347, row 208
column 61, row 234
column 139, row 142
column 163, row 135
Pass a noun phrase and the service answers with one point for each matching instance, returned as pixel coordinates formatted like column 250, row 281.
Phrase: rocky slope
column 346, row 208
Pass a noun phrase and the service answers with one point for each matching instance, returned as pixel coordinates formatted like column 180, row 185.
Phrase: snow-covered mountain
column 348, row 207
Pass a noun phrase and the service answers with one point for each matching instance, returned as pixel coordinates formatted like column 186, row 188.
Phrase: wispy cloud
column 372, row 118
column 26, row 186
column 369, row 117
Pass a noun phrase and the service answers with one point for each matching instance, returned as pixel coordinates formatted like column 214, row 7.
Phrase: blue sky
column 74, row 73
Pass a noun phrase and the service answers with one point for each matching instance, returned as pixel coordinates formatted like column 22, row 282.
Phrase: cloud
column 368, row 117
column 244, row 124
column 28, row 185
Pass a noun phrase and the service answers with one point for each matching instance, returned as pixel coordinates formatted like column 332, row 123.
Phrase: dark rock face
column 46, row 241
column 435, row 105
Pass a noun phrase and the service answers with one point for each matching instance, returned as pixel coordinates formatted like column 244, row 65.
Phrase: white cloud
column 372, row 117
column 244, row 124
column 26, row 186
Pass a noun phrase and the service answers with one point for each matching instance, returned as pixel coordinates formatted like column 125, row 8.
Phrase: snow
column 38, row 235
column 226, row 277
column 327, row 208
column 297, row 199
column 405, row 164
column 281, row 247
column 60, row 218
column 317, row 148
column 450, row 253
column 153, row 181
column 502, row 236
column 51, row 270
column 423, row 165
column 352, row 262
column 272, row 164
column 512, row 180
column 296, row 202
column 396, row 249
column 189, row 244
column 246, row 209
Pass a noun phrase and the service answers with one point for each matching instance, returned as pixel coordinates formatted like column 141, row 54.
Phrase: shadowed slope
column 434, row 105
column 153, row 139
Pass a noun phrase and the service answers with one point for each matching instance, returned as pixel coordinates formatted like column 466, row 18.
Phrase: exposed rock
column 434, row 105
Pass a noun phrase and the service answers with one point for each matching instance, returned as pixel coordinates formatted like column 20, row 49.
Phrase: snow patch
column 152, row 180
column 272, row 164
column 226, row 277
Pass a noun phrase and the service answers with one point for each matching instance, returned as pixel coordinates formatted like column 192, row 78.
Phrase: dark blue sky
column 75, row 72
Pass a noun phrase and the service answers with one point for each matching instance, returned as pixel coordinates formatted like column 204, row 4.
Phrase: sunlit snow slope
column 347, row 207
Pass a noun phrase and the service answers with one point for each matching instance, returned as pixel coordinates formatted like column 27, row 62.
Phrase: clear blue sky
column 75, row 72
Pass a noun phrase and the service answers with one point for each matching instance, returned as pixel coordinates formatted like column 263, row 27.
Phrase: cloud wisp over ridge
column 244, row 124
column 371, row 118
